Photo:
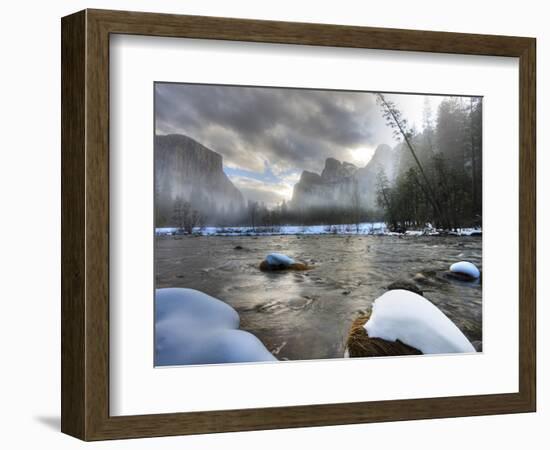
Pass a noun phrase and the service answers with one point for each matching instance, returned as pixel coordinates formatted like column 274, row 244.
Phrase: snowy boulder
column 465, row 269
column 192, row 327
column 359, row 344
column 278, row 261
column 413, row 320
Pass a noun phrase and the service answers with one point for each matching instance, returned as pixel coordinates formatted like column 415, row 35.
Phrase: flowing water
column 307, row 315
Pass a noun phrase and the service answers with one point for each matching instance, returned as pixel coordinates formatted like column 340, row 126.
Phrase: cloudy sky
column 267, row 136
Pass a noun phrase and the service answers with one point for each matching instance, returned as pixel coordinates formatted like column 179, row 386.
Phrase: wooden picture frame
column 85, row 224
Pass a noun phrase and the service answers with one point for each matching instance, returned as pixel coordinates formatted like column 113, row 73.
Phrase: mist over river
column 307, row 315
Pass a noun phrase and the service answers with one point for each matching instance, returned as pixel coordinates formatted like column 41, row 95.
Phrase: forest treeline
column 439, row 180
column 187, row 216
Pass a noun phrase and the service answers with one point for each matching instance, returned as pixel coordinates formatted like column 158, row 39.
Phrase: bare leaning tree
column 401, row 130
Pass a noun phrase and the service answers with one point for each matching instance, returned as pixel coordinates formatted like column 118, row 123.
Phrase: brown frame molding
column 85, row 224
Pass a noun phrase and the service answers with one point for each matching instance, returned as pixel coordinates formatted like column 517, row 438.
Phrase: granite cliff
column 187, row 170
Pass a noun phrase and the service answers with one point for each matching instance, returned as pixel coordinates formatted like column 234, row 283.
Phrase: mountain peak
column 382, row 148
column 338, row 181
column 335, row 170
column 310, row 177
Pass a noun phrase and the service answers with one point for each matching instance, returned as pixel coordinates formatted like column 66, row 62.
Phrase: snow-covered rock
column 280, row 262
column 192, row 327
column 465, row 268
column 415, row 321
column 278, row 259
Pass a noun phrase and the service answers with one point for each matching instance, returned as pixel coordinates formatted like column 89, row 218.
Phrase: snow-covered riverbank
column 366, row 228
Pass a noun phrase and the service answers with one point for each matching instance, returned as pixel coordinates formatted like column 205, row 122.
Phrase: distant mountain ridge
column 340, row 181
column 190, row 171
column 187, row 170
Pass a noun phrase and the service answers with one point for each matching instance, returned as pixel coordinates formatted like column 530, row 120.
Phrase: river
column 307, row 315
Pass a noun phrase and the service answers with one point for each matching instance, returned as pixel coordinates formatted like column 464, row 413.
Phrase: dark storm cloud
column 290, row 128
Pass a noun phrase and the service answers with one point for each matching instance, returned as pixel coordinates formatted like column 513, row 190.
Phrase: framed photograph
column 273, row 225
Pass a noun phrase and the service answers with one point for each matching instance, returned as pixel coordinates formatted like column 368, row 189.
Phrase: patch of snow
column 192, row 327
column 365, row 228
column 412, row 319
column 467, row 232
column 346, row 229
column 278, row 259
column 466, row 268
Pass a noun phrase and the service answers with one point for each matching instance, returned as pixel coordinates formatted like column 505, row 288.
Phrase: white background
column 138, row 388
column 30, row 235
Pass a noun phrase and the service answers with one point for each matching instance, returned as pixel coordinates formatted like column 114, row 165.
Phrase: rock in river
column 360, row 345
column 405, row 323
column 192, row 327
column 278, row 261
column 465, row 270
